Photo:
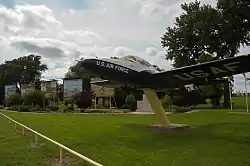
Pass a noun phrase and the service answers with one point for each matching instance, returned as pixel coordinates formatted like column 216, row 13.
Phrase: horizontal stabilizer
column 205, row 71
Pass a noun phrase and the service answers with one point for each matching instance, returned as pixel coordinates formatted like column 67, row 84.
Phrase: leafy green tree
column 235, row 21
column 83, row 99
column 204, row 33
column 120, row 96
column 194, row 34
column 13, row 99
column 26, row 69
column 204, row 29
column 187, row 97
column 131, row 102
column 166, row 101
column 34, row 98
column 2, row 93
column 77, row 70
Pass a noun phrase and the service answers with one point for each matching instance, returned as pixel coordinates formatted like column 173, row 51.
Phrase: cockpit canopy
column 135, row 59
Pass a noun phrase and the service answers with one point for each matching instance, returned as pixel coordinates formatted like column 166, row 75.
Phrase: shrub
column 131, row 102
column 98, row 111
column 83, row 99
column 53, row 107
column 166, row 101
column 182, row 109
column 13, row 99
column 21, row 108
column 25, row 108
column 35, row 108
column 35, row 98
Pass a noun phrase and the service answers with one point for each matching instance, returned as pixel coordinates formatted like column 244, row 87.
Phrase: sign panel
column 9, row 89
column 26, row 88
column 100, row 91
column 71, row 87
column 49, row 87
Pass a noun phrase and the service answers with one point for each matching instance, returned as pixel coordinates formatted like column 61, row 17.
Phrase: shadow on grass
column 227, row 132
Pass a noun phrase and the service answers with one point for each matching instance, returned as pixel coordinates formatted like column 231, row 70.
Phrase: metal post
column 95, row 103
column 36, row 139
column 15, row 126
column 61, row 155
column 23, row 130
column 246, row 92
column 230, row 96
column 109, row 102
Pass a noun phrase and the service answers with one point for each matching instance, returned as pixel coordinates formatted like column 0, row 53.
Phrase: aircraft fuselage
column 141, row 74
column 119, row 71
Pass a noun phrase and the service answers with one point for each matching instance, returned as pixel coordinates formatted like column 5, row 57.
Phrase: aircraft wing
column 105, row 83
column 204, row 72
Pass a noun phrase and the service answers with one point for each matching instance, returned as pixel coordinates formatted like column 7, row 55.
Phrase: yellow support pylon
column 157, row 107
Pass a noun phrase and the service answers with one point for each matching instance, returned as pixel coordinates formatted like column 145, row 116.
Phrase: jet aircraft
column 137, row 73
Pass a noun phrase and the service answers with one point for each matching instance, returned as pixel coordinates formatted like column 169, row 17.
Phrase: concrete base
column 171, row 127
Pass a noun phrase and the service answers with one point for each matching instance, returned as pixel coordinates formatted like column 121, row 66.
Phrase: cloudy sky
column 62, row 31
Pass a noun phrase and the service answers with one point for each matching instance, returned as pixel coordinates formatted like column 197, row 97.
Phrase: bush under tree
column 34, row 98
column 131, row 102
column 83, row 99
column 13, row 99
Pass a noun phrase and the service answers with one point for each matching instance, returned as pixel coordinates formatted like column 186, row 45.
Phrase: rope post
column 15, row 125
column 61, row 155
column 23, row 130
column 36, row 139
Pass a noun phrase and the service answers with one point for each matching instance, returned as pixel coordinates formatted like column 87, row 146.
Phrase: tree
column 166, row 101
column 23, row 70
column 236, row 21
column 120, row 96
column 187, row 97
column 131, row 102
column 35, row 98
column 2, row 93
column 83, row 99
column 204, row 33
column 204, row 29
column 194, row 34
column 26, row 69
column 77, row 70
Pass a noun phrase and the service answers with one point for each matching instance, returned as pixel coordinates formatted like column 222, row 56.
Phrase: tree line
column 201, row 33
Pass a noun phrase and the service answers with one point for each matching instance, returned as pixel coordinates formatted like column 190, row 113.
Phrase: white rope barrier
column 61, row 147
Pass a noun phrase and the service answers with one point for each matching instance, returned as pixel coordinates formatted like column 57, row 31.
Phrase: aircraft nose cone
column 88, row 62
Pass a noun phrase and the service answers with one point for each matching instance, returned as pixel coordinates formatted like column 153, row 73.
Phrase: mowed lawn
column 214, row 139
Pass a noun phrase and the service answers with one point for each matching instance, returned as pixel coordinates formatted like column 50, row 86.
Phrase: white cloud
column 107, row 28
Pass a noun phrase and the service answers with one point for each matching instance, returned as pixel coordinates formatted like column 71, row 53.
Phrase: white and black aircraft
column 135, row 72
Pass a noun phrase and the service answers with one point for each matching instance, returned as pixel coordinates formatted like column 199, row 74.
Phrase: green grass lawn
column 16, row 149
column 216, row 139
column 239, row 102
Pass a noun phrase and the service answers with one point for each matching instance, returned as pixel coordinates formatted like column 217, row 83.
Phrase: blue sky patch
column 70, row 4
column 8, row 3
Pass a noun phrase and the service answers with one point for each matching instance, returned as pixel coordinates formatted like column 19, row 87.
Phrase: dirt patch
column 67, row 161
column 34, row 145
column 172, row 127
